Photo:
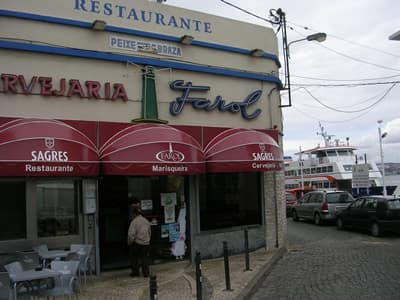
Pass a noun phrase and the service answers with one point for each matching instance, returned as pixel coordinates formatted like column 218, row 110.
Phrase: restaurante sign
column 47, row 86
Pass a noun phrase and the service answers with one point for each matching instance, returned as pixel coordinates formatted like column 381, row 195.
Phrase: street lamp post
column 319, row 37
column 381, row 136
column 301, row 168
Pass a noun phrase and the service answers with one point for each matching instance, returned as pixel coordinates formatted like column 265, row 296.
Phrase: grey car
column 321, row 206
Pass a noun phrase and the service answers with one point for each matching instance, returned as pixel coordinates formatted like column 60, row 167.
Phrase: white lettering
column 144, row 46
column 49, row 155
column 48, row 169
column 169, row 169
column 263, row 156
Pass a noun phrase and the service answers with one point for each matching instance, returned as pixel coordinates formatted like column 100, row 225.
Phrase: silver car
column 321, row 206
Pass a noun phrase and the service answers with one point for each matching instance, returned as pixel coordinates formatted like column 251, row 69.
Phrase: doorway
column 163, row 201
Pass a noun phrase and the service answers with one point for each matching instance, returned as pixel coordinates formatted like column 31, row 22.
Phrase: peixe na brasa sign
column 47, row 86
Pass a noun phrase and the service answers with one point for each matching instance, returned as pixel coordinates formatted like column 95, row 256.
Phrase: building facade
column 108, row 104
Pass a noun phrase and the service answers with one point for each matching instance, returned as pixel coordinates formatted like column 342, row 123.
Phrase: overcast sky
column 357, row 50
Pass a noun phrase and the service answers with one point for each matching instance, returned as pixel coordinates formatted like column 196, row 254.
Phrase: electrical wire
column 348, row 56
column 351, row 111
column 346, row 84
column 343, row 80
column 347, row 41
column 248, row 12
column 328, row 121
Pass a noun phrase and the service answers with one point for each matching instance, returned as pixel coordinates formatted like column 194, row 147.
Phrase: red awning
column 151, row 149
column 36, row 147
column 243, row 150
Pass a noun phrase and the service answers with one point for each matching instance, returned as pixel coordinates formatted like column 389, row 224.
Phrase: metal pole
column 301, row 168
column 199, row 295
column 382, row 160
column 153, row 287
column 226, row 264
column 246, row 249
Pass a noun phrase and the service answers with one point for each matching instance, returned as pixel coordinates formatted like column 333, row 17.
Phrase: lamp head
column 99, row 25
column 257, row 52
column 186, row 39
column 319, row 37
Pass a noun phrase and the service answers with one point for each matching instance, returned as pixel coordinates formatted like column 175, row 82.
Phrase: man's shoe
column 134, row 274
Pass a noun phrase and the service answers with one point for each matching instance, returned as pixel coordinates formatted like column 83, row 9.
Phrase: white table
column 30, row 276
column 54, row 254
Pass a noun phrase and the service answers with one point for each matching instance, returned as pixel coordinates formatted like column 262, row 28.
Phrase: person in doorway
column 139, row 235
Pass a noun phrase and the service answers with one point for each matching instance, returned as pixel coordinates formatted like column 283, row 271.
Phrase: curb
column 265, row 270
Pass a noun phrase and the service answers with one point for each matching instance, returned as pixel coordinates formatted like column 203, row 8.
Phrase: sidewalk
column 176, row 281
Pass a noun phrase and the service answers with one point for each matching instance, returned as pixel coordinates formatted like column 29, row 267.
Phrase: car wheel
column 317, row 219
column 339, row 224
column 295, row 216
column 375, row 229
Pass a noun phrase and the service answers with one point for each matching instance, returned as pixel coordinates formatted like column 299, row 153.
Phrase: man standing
column 139, row 234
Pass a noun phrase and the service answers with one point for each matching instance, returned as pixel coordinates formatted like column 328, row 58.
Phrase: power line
column 326, row 121
column 356, row 59
column 351, row 111
column 346, row 84
column 347, row 41
column 345, row 80
column 248, row 12
column 348, row 56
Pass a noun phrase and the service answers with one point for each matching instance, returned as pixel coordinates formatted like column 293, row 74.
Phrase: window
column 348, row 167
column 357, row 203
column 57, row 208
column 394, row 204
column 229, row 199
column 370, row 203
column 12, row 210
column 339, row 197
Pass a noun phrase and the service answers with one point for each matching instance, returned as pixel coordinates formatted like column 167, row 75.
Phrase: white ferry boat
column 328, row 167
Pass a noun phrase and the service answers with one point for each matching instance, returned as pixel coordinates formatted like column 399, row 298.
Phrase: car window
column 290, row 197
column 357, row 203
column 306, row 198
column 394, row 204
column 315, row 198
column 370, row 203
column 339, row 198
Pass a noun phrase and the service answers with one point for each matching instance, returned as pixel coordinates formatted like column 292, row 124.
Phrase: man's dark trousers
column 139, row 258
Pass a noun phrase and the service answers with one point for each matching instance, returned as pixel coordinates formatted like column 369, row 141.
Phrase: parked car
column 321, row 206
column 290, row 200
column 378, row 214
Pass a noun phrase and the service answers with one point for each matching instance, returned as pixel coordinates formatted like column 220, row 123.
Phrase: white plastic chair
column 67, row 283
column 84, row 252
column 13, row 268
column 5, row 286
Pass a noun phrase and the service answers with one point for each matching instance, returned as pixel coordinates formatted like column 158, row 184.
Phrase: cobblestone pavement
column 324, row 263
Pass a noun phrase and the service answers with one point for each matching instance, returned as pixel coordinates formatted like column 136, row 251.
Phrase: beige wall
column 225, row 32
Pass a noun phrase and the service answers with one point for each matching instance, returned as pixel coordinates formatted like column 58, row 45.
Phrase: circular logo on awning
column 170, row 155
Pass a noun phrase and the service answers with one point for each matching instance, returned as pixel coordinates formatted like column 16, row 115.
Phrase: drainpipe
column 276, row 213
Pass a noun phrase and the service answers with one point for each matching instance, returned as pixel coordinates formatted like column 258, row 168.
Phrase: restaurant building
column 108, row 104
